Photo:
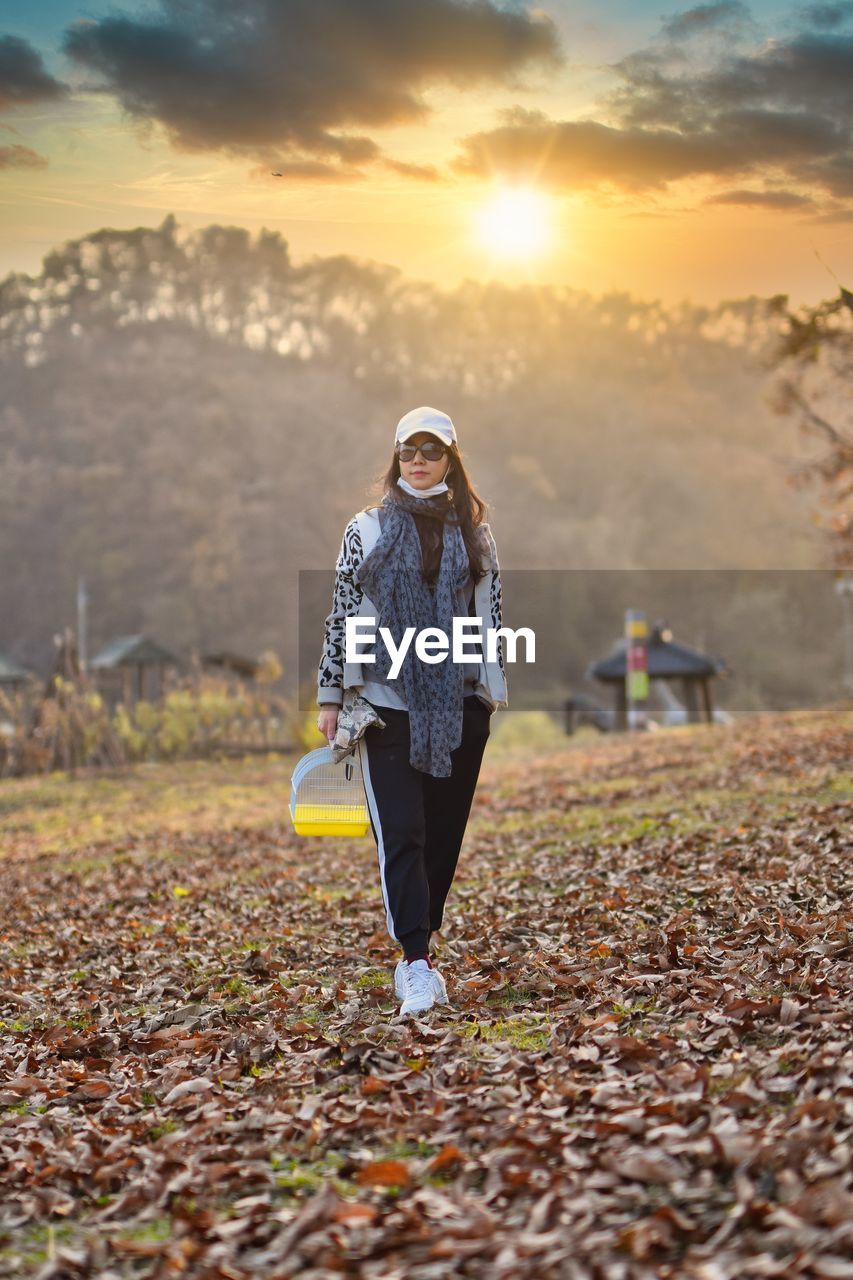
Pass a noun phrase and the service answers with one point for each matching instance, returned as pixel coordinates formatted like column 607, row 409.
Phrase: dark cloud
column 23, row 77
column 807, row 73
column 704, row 18
column 834, row 172
column 18, row 157
column 765, row 199
column 783, row 100
column 570, row 154
column 574, row 154
column 787, row 106
column 828, row 16
column 294, row 76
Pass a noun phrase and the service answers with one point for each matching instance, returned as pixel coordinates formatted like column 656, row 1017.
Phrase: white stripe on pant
column 419, row 821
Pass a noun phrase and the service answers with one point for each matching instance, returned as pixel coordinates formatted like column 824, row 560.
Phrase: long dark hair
column 466, row 508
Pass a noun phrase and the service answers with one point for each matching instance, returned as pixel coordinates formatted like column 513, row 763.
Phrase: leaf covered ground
column 646, row 1069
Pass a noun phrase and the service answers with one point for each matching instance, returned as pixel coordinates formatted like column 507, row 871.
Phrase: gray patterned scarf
column 391, row 575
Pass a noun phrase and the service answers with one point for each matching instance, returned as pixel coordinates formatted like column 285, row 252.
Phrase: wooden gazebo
column 132, row 668
column 667, row 660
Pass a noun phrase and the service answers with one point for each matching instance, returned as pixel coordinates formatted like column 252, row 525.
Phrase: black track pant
column 418, row 821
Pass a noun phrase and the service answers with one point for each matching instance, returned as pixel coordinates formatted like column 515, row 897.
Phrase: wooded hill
column 190, row 418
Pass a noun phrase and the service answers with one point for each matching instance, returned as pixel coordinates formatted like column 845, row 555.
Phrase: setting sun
column 515, row 223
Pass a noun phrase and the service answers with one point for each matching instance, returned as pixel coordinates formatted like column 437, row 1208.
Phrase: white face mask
column 441, row 487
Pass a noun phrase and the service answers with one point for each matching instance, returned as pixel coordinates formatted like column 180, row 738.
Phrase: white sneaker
column 441, row 989
column 418, row 986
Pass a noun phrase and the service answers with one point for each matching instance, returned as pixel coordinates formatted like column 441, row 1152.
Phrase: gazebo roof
column 11, row 672
column 131, row 651
column 666, row 658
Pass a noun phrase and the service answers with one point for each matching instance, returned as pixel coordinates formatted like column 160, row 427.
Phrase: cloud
column 19, row 157
column 834, row 172
column 784, row 107
column 294, row 77
column 569, row 155
column 828, row 16
column 704, row 18
column 766, row 199
column 23, row 77
column 421, row 172
column 810, row 72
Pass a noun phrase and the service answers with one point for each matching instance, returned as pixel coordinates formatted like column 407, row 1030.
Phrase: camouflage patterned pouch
column 356, row 715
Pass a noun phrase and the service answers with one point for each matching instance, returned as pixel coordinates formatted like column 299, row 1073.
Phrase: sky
column 674, row 151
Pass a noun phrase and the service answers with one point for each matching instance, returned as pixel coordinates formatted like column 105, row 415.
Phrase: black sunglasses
column 431, row 451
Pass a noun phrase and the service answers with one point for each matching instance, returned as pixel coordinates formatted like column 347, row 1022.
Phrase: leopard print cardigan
column 347, row 599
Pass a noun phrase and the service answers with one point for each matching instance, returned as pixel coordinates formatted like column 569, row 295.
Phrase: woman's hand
column 327, row 720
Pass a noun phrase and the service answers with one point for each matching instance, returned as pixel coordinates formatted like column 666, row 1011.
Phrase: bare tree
column 813, row 360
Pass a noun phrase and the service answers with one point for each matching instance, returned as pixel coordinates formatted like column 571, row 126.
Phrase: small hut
column 667, row 660
column 132, row 668
column 12, row 675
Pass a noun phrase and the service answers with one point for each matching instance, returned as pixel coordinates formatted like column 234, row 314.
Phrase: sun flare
column 515, row 223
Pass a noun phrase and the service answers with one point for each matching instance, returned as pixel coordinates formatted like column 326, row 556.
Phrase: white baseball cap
column 426, row 419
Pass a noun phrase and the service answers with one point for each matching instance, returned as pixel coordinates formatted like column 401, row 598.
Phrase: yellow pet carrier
column 327, row 799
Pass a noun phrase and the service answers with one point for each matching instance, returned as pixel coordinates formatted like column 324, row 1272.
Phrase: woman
column 417, row 559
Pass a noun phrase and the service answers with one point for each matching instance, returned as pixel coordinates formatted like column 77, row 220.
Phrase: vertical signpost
column 636, row 668
column 844, row 590
column 82, row 640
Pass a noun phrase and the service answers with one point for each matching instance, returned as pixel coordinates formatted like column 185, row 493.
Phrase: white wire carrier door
column 327, row 799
